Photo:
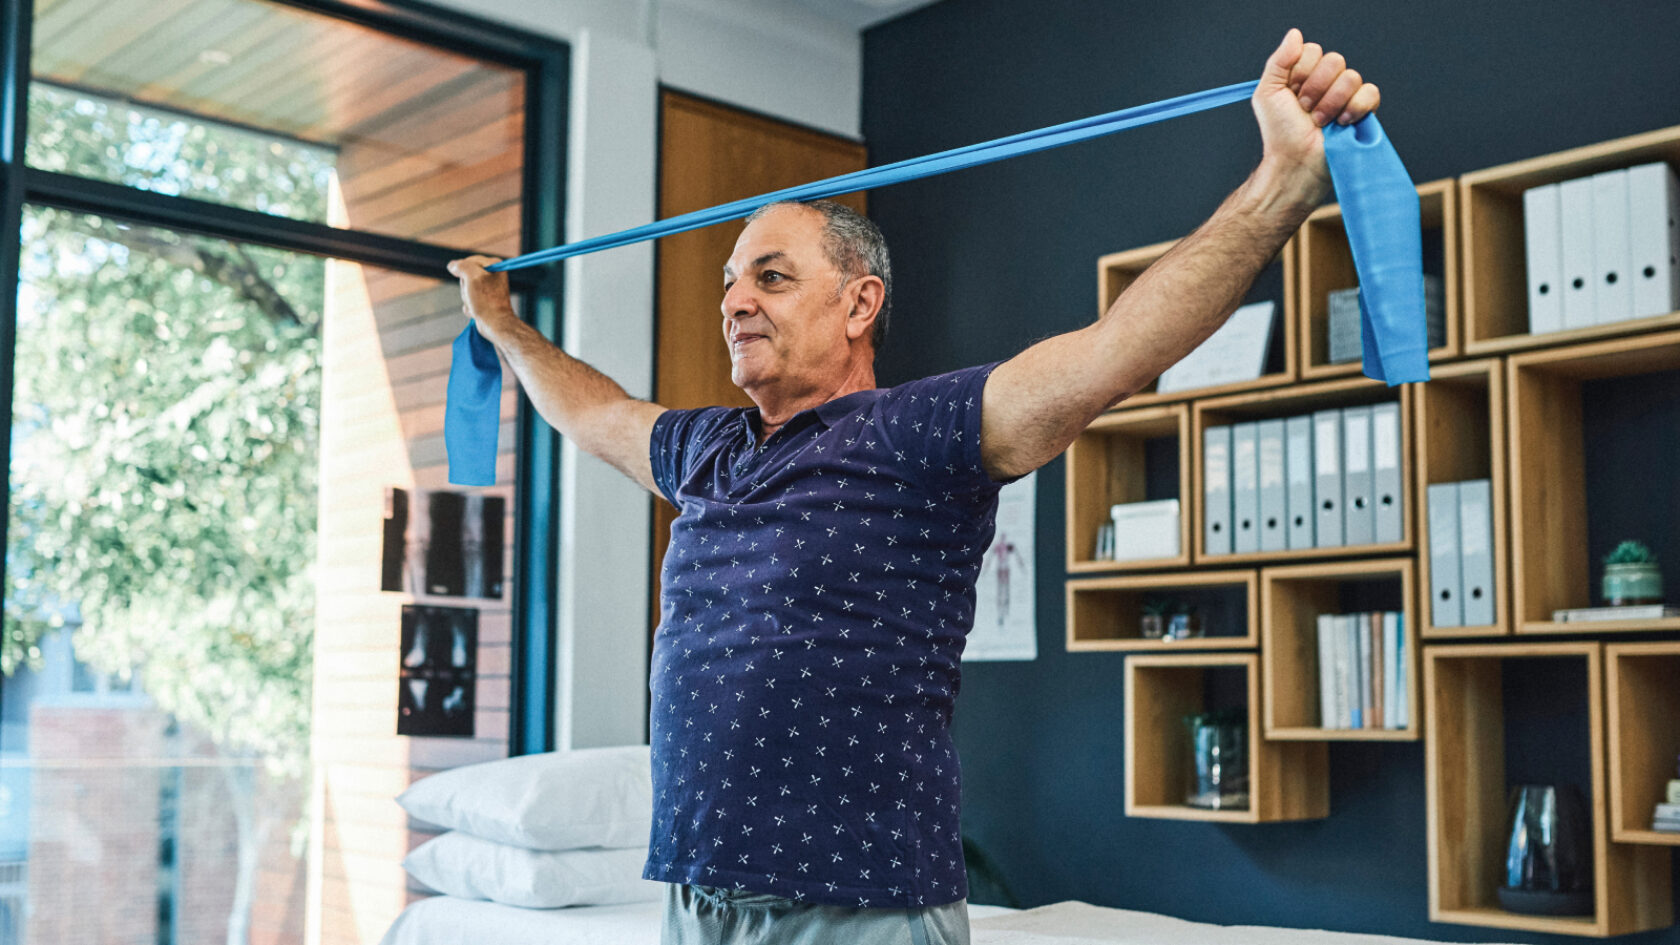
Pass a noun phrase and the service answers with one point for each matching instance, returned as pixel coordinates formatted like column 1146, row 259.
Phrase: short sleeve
column 679, row 437
column 933, row 427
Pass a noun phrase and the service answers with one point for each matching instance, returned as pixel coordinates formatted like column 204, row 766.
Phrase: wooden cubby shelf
column 1577, row 433
column 1643, row 690
column 1104, row 612
column 1327, row 265
column 1466, row 764
column 1116, row 271
column 1293, row 401
column 1549, row 501
column 1109, row 464
column 1461, row 436
column 1495, row 262
column 1291, row 599
column 1287, row 780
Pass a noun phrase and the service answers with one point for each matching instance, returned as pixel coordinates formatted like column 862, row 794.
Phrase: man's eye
column 728, row 284
column 772, row 276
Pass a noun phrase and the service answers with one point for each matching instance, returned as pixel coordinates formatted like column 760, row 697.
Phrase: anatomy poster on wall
column 441, row 543
column 1005, row 621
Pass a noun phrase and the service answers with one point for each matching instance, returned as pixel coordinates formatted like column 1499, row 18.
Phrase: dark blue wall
column 991, row 259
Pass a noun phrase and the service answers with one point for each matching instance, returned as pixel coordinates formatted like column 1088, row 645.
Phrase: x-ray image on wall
column 445, row 544
column 437, row 674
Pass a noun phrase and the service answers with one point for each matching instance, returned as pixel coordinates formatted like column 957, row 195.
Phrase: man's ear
column 870, row 292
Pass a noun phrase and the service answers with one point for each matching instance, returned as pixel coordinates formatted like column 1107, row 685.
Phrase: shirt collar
column 828, row 413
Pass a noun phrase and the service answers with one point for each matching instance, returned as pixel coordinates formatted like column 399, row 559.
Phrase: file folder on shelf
column 1446, row 608
column 1327, row 483
column 1387, row 495
column 1274, row 516
column 1360, row 521
column 1216, row 490
column 1575, row 216
column 1654, row 238
column 1475, row 551
column 1298, row 476
column 1245, row 488
column 1541, row 234
column 1612, row 290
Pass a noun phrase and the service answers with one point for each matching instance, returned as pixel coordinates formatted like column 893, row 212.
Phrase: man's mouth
column 745, row 338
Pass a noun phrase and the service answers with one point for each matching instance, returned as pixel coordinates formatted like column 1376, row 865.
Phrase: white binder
column 1216, row 490
column 1654, row 239
column 1327, row 483
column 1274, row 515
column 1298, row 476
column 1613, row 291
column 1360, row 520
column 1575, row 213
column 1387, row 495
column 1245, row 488
column 1475, row 551
column 1540, row 231
column 1445, row 577
column 1326, row 671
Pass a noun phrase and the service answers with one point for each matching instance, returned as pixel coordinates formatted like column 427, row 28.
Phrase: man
column 821, row 575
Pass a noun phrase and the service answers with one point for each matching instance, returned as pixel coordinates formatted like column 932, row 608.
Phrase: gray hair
column 854, row 245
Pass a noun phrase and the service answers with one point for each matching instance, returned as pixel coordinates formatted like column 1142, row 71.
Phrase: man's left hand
column 1303, row 89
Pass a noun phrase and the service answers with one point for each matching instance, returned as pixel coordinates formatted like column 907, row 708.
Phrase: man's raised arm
column 586, row 406
column 1038, row 402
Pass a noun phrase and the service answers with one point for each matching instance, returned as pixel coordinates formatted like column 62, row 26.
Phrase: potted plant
column 1631, row 576
column 1153, row 623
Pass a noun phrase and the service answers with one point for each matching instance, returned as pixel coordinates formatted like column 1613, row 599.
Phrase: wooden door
column 711, row 154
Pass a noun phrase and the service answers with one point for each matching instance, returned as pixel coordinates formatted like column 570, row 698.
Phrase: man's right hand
column 484, row 295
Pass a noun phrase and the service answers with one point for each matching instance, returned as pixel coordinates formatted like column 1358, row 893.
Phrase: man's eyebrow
column 766, row 258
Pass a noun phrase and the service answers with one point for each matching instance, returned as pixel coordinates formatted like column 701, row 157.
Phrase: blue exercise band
column 1379, row 209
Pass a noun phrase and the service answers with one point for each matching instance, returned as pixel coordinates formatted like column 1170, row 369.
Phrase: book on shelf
column 1624, row 612
column 1362, row 664
column 1670, row 811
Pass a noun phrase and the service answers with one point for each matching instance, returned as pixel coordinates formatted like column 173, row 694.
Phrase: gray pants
column 712, row 915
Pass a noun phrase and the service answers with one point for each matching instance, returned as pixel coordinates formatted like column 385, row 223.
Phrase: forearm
column 1189, row 292
column 568, row 393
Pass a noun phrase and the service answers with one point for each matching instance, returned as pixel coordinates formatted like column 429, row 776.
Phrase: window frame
column 546, row 64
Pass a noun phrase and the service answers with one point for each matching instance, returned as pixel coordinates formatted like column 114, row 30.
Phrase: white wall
column 764, row 55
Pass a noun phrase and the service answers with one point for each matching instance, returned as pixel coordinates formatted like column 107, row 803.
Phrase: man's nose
column 738, row 301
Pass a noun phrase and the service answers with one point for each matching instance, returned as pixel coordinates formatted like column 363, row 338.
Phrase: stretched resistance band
column 1379, row 209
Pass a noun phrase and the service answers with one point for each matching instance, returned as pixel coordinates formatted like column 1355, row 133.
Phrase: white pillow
column 466, row 867
column 590, row 797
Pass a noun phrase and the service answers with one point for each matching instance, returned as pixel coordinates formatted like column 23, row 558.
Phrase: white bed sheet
column 445, row 920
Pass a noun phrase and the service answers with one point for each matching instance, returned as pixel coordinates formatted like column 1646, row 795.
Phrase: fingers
column 1337, row 98
column 1317, row 81
column 1364, row 102
column 1283, row 58
column 470, row 265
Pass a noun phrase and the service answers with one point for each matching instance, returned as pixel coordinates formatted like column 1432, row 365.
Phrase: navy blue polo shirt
column 816, row 596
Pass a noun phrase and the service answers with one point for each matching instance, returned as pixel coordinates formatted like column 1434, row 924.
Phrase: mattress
column 443, row 920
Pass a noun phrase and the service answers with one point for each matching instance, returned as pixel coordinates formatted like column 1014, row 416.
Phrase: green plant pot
column 1633, row 583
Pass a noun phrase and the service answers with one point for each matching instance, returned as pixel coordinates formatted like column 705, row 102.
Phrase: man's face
column 782, row 318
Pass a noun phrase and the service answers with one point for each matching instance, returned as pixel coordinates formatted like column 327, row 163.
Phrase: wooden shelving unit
column 1642, row 683
column 1116, row 271
column 1108, row 464
column 1287, row 780
column 1460, row 436
column 1327, row 265
column 1104, row 612
column 1549, row 502
column 1293, row 401
column 1503, row 405
column 1495, row 266
column 1291, row 598
column 1465, row 762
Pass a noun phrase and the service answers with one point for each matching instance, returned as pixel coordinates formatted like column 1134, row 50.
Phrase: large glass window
column 410, row 139
column 208, row 694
